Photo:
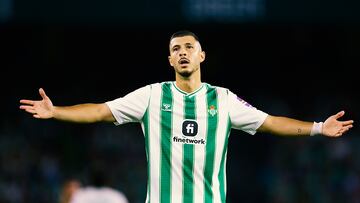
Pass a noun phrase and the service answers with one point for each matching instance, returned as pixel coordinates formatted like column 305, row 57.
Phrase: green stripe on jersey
column 165, row 140
column 222, row 172
column 147, row 148
column 212, row 122
column 188, row 154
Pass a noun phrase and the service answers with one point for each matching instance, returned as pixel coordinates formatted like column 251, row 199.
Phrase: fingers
column 340, row 114
column 29, row 109
column 32, row 102
column 25, row 101
column 42, row 93
column 337, row 134
column 346, row 128
column 343, row 130
column 346, row 123
column 24, row 107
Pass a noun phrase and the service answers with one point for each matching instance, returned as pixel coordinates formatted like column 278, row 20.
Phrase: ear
column 202, row 56
column 170, row 61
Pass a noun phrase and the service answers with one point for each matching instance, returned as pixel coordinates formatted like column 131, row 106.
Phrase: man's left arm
column 284, row 126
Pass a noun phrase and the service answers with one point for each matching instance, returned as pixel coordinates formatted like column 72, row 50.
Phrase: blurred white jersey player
column 74, row 193
column 98, row 195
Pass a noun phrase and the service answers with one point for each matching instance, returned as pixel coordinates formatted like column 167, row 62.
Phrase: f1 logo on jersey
column 189, row 128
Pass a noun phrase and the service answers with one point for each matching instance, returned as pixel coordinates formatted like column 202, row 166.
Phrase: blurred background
column 288, row 58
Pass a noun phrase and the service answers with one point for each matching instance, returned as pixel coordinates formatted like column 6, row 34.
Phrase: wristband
column 316, row 128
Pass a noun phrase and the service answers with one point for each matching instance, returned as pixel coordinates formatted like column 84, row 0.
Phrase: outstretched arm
column 332, row 127
column 81, row 113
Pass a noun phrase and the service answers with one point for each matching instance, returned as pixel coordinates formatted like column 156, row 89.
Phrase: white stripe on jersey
column 219, row 141
column 177, row 148
column 154, row 143
column 199, row 150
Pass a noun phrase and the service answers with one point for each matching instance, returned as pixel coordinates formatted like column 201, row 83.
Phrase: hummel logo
column 166, row 107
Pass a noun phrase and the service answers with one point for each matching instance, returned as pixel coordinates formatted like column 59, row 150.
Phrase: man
column 73, row 192
column 186, row 125
column 97, row 190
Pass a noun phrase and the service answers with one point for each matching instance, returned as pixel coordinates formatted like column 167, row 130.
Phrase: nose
column 182, row 52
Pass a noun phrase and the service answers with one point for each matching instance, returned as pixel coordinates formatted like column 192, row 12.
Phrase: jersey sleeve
column 131, row 107
column 243, row 116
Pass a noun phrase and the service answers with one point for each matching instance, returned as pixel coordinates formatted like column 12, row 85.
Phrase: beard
column 187, row 72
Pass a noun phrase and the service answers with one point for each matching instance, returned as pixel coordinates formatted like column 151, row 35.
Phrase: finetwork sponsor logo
column 189, row 128
column 188, row 141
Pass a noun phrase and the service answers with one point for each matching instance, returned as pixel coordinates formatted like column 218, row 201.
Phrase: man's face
column 185, row 55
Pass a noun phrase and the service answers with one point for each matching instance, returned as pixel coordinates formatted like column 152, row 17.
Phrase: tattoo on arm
column 299, row 131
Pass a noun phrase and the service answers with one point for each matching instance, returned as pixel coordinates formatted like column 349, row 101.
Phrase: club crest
column 212, row 110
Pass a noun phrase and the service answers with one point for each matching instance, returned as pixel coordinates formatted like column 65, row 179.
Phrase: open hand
column 41, row 108
column 332, row 127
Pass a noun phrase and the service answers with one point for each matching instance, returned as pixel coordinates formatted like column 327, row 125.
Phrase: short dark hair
column 183, row 33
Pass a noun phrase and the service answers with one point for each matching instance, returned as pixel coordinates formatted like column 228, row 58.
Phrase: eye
column 175, row 49
column 189, row 46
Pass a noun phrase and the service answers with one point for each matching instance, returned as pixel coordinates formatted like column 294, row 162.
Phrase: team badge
column 212, row 110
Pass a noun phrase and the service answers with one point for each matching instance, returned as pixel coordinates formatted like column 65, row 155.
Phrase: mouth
column 184, row 61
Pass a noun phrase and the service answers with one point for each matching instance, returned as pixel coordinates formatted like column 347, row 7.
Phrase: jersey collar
column 186, row 93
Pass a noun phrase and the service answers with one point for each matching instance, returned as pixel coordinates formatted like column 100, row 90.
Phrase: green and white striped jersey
column 186, row 138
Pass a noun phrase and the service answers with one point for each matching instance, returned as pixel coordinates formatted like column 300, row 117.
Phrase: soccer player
column 74, row 192
column 97, row 190
column 186, row 124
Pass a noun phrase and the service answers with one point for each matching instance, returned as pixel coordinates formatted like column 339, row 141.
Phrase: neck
column 188, row 84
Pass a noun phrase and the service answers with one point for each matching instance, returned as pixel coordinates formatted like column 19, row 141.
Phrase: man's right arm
column 81, row 113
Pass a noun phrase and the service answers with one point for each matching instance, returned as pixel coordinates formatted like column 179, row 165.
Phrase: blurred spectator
column 97, row 192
